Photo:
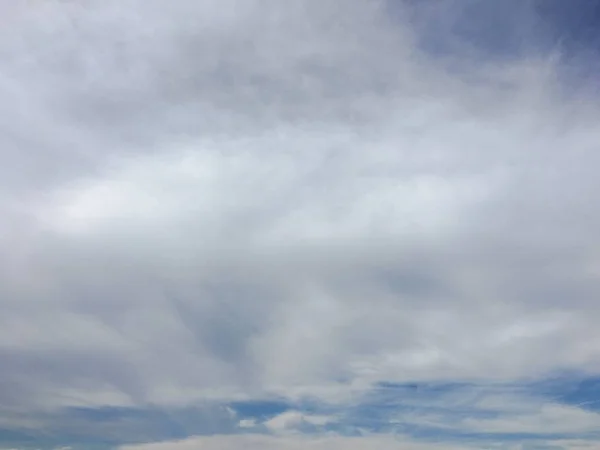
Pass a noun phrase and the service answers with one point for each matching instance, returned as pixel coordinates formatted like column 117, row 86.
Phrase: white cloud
column 294, row 420
column 286, row 421
column 335, row 442
column 286, row 443
column 247, row 423
column 550, row 418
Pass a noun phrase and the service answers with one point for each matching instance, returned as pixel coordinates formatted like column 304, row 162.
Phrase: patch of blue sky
column 481, row 28
column 571, row 389
column 464, row 33
column 109, row 427
column 261, row 409
column 511, row 28
column 42, row 439
column 440, row 412
column 437, row 411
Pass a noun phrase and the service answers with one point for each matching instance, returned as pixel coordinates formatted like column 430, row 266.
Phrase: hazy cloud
column 218, row 200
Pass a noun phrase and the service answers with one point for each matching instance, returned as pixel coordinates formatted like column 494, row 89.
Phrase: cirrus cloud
column 209, row 202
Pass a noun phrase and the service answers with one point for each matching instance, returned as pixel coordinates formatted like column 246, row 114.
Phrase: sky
column 333, row 224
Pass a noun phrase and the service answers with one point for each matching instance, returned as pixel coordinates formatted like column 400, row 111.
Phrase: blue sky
column 534, row 414
column 344, row 224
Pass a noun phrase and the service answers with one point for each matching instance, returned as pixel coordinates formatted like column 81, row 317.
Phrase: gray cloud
column 211, row 200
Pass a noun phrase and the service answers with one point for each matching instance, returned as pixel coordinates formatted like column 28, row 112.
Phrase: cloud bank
column 209, row 202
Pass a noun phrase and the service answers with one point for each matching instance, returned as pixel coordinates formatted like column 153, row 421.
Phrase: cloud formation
column 218, row 201
column 265, row 442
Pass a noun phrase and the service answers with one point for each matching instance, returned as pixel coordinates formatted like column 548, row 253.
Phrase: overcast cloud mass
column 332, row 224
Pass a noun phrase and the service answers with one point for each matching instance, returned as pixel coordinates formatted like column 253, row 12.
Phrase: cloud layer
column 216, row 201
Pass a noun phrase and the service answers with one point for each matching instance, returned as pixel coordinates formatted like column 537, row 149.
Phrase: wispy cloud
column 211, row 202
column 266, row 442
